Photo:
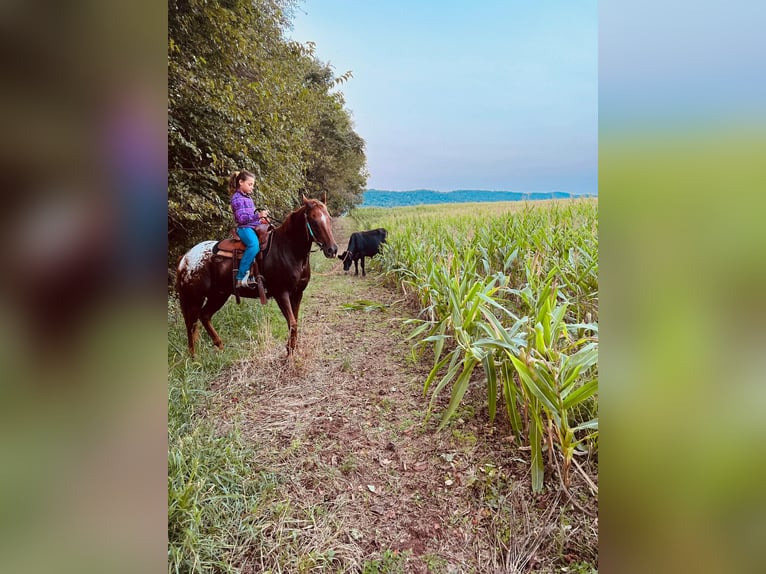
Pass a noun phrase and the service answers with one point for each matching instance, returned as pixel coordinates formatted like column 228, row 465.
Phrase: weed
column 348, row 465
column 364, row 305
column 435, row 564
column 390, row 562
column 581, row 568
column 386, row 405
column 406, row 424
column 464, row 438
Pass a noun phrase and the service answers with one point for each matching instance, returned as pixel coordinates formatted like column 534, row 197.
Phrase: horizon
column 483, row 190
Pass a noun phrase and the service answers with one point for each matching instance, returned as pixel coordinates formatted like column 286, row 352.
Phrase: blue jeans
column 250, row 239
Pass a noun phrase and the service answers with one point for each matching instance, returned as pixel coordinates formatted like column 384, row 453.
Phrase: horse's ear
column 324, row 197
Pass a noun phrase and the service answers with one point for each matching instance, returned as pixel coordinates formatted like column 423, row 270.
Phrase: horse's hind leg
column 214, row 302
column 190, row 311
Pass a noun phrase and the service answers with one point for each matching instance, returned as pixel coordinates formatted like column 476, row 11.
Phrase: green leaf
column 573, row 365
column 458, row 390
column 439, row 346
column 488, row 362
column 436, row 368
column 536, row 448
column 580, row 394
column 557, row 320
column 419, row 330
column 447, row 378
column 510, row 392
column 540, row 338
column 591, row 424
column 528, row 378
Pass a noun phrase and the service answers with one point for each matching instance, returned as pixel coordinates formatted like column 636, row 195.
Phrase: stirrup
column 247, row 282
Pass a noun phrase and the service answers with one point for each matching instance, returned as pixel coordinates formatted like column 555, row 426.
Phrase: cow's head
column 346, row 258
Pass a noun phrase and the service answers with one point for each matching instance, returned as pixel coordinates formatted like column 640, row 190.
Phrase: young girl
column 241, row 185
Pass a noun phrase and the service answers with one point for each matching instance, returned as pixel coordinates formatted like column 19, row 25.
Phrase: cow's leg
column 363, row 272
column 356, row 266
column 283, row 300
column 214, row 302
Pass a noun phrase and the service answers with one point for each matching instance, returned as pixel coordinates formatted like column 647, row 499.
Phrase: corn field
column 509, row 299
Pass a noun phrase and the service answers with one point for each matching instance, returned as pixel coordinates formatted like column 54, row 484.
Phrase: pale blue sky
column 487, row 94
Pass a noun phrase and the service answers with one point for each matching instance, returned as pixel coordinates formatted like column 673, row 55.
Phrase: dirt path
column 358, row 480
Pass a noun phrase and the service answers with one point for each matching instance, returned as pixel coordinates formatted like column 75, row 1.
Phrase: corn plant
column 476, row 335
column 556, row 383
column 514, row 291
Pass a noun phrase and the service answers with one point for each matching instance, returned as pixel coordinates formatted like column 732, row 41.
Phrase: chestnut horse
column 204, row 280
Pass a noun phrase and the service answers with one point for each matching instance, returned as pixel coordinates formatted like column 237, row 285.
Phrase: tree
column 241, row 96
column 336, row 158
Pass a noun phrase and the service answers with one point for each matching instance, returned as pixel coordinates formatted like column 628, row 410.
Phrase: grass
column 231, row 503
column 390, row 562
column 212, row 481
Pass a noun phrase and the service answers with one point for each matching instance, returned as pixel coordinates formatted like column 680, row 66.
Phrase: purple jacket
column 244, row 210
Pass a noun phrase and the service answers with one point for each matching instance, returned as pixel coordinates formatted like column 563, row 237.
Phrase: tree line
column 243, row 96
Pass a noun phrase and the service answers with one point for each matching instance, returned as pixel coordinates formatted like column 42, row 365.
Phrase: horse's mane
column 292, row 229
column 298, row 210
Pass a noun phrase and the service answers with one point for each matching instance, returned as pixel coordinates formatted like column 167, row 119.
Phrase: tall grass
column 511, row 289
column 212, row 480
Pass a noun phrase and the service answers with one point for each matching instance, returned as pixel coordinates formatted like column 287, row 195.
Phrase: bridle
column 312, row 236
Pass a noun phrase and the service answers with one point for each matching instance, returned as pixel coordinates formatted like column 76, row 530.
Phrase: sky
column 487, row 94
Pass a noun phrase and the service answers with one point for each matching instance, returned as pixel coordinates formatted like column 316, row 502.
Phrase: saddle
column 233, row 244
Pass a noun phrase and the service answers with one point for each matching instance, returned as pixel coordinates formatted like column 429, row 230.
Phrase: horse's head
column 319, row 224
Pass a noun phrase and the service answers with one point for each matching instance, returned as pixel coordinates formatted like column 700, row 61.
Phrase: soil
column 342, row 425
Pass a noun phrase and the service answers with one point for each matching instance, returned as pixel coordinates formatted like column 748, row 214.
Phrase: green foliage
column 212, row 480
column 336, row 159
column 241, row 96
column 555, row 383
column 512, row 289
column 390, row 562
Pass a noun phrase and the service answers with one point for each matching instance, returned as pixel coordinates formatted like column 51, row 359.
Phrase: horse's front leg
column 283, row 300
column 295, row 302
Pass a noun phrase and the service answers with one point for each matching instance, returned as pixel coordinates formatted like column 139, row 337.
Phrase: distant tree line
column 385, row 198
column 242, row 96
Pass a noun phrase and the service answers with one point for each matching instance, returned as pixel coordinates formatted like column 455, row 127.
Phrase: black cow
column 362, row 244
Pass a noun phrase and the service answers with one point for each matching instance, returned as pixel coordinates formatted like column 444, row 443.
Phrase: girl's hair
column 236, row 177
